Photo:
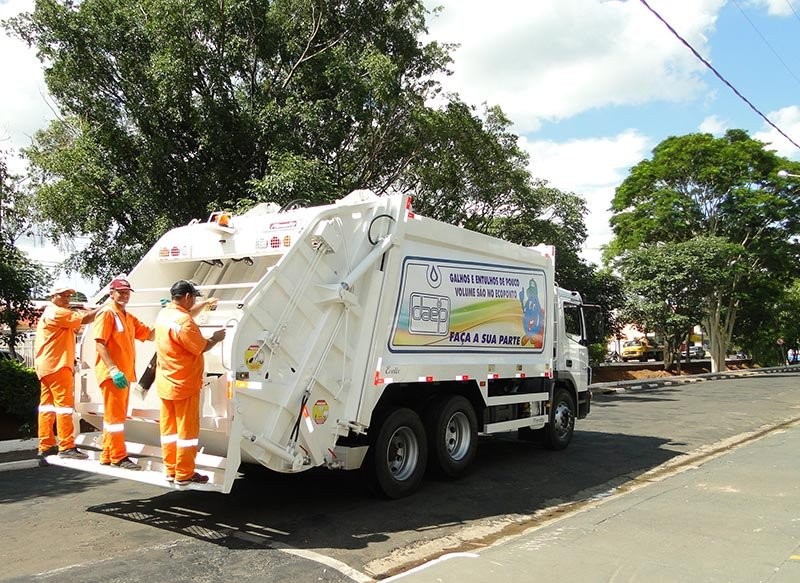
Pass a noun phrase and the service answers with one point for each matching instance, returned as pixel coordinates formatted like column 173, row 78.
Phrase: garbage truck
column 359, row 335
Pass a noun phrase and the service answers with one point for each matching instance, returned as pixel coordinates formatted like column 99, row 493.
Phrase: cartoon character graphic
column 532, row 316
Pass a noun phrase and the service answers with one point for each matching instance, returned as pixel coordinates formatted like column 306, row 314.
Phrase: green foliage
column 173, row 109
column 768, row 312
column 19, row 391
column 20, row 278
column 597, row 353
column 669, row 284
column 727, row 188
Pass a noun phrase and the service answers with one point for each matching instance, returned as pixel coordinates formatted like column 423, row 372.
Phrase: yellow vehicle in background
column 642, row 350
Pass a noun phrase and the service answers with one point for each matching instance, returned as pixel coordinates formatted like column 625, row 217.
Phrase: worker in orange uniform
column 115, row 330
column 54, row 361
column 179, row 377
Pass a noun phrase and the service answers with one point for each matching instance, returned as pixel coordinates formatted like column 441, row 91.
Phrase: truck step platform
column 149, row 458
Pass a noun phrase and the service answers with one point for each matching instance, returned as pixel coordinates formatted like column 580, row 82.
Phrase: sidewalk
column 735, row 518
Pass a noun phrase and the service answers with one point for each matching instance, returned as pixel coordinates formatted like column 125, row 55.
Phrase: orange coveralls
column 54, row 362
column 179, row 378
column 116, row 329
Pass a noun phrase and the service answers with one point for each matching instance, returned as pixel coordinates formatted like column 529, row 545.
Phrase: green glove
column 119, row 378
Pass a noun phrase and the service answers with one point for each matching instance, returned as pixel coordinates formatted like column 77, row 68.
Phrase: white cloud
column 788, row 119
column 774, row 7
column 23, row 105
column 592, row 168
column 550, row 59
column 713, row 124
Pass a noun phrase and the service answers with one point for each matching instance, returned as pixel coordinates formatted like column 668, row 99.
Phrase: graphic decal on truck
column 456, row 306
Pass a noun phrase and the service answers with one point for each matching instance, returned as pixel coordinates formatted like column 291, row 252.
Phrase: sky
column 591, row 86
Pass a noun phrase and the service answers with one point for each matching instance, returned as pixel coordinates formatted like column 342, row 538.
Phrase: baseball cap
column 60, row 289
column 183, row 287
column 120, row 284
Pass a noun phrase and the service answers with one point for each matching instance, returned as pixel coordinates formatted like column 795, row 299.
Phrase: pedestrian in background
column 54, row 362
column 179, row 377
column 115, row 330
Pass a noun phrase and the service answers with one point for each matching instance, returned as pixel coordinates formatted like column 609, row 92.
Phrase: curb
column 10, row 445
column 615, row 387
column 19, row 465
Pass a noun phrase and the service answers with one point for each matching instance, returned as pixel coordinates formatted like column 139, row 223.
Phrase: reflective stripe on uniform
column 47, row 409
column 64, row 410
column 188, row 442
column 169, row 438
column 113, row 427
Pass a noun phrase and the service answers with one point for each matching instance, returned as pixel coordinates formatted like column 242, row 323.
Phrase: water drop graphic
column 434, row 277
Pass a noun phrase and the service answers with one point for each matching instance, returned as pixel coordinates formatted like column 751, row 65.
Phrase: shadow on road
column 321, row 509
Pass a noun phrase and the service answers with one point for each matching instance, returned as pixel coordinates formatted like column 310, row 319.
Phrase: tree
column 769, row 312
column 172, row 109
column 20, row 278
column 668, row 285
column 698, row 185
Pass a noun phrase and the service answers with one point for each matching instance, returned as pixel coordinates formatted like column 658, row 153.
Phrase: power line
column 718, row 74
column 766, row 42
column 797, row 16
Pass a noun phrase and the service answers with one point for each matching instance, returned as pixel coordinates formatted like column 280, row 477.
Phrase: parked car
column 697, row 352
column 641, row 350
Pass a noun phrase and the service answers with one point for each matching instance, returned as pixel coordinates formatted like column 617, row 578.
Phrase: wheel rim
column 562, row 420
column 457, row 436
column 402, row 455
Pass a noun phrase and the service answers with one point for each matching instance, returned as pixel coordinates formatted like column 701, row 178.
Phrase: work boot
column 196, row 479
column 73, row 454
column 44, row 453
column 53, row 450
column 127, row 464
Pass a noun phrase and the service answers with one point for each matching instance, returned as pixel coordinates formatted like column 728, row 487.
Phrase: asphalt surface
column 19, row 454
column 207, row 537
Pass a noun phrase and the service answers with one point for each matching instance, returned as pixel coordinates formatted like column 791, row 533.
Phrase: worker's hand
column 210, row 303
column 218, row 336
column 119, row 378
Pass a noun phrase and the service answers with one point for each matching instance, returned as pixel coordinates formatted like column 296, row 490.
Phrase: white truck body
column 357, row 333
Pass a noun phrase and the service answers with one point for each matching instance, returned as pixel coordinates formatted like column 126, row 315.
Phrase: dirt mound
column 632, row 372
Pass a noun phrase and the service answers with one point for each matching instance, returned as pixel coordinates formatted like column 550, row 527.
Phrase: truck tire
column 452, row 430
column 559, row 430
column 397, row 455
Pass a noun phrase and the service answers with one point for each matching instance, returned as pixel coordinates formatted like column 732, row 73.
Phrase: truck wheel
column 558, row 432
column 398, row 455
column 452, row 430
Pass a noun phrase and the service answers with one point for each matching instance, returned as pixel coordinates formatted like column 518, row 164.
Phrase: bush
column 597, row 353
column 19, row 390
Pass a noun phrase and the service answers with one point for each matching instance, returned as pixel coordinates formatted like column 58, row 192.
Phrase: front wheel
column 398, row 454
column 558, row 432
column 452, row 430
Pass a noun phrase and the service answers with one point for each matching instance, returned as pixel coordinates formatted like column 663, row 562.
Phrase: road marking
column 794, row 558
column 335, row 564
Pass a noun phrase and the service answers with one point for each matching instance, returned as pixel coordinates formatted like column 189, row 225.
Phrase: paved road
column 322, row 526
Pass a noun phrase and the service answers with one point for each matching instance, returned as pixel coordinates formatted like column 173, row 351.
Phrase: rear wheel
column 558, row 432
column 398, row 454
column 452, row 430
